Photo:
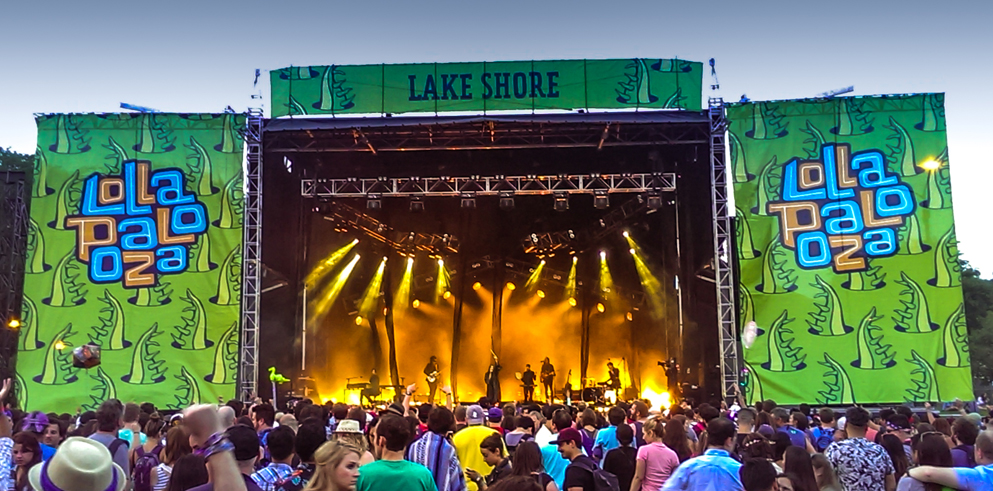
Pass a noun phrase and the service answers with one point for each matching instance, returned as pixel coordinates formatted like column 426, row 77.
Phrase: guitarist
column 431, row 371
column 547, row 377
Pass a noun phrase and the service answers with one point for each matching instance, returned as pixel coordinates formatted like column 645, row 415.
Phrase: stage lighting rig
column 561, row 202
column 506, row 201
column 468, row 200
column 375, row 202
column 600, row 200
column 416, row 205
column 654, row 201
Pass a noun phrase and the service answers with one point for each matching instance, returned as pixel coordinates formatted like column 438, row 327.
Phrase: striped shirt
column 438, row 454
column 268, row 476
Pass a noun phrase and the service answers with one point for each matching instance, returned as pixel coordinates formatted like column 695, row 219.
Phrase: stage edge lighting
column 14, row 324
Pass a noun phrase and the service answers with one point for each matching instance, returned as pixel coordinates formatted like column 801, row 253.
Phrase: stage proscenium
column 135, row 246
column 846, row 243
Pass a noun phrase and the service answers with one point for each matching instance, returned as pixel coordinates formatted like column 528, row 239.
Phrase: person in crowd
column 827, row 478
column 942, row 426
column 339, row 412
column 279, row 445
column 782, row 422
column 227, row 415
column 26, row 454
column 746, row 426
column 655, row 462
column 780, row 442
column 289, row 421
column 494, row 418
column 621, row 460
column 516, row 483
column 391, row 471
column 152, row 448
column 606, row 438
column 555, row 464
column 246, row 450
column 55, row 432
column 788, row 482
column 861, row 464
column 823, row 434
column 527, row 462
column 108, row 423
column 579, row 472
column 492, row 450
column 434, row 451
column 899, row 426
column 468, row 440
column 349, row 430
column 588, row 429
column 188, row 472
column 929, row 449
column 36, row 422
column 460, row 414
column 964, row 435
column 676, row 438
column 309, row 437
column 756, row 446
column 336, row 467
column 80, row 464
column 797, row 464
column 545, row 434
column 177, row 446
column 522, row 433
column 715, row 469
column 130, row 427
column 894, row 447
column 263, row 417
column 639, row 415
column 963, row 478
column 758, row 475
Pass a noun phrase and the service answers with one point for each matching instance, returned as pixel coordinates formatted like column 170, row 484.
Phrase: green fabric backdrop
column 862, row 303
column 172, row 342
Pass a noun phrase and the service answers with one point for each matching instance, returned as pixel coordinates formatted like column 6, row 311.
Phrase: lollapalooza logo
column 841, row 209
column 133, row 227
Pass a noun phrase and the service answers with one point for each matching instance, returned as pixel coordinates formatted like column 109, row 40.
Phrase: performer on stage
column 547, row 377
column 614, row 376
column 431, row 372
column 492, row 380
column 672, row 375
column 373, row 389
column 528, row 379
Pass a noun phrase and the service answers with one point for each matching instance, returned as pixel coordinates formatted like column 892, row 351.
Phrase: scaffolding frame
column 248, row 369
column 13, row 251
column 723, row 237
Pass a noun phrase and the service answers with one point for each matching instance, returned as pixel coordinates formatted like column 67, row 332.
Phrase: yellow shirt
column 467, row 448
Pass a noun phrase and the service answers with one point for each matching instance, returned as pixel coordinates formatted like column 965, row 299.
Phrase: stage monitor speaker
column 86, row 356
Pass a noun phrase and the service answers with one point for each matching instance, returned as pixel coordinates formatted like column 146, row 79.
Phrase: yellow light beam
column 535, row 278
column 606, row 281
column 649, row 283
column 330, row 294
column 442, row 284
column 370, row 298
column 325, row 266
column 570, row 284
column 402, row 300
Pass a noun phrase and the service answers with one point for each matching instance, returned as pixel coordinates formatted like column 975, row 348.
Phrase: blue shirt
column 976, row 478
column 606, row 440
column 715, row 470
column 555, row 464
column 797, row 437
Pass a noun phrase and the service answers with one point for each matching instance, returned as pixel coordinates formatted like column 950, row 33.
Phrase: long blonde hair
column 328, row 457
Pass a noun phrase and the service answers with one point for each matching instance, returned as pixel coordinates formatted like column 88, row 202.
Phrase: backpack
column 603, row 480
column 822, row 438
column 144, row 465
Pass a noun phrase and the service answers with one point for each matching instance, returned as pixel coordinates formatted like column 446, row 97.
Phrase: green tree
column 979, row 323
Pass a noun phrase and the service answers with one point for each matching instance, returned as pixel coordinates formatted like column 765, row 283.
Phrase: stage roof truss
column 402, row 242
column 353, row 187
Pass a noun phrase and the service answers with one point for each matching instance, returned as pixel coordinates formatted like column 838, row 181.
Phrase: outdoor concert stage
column 586, row 238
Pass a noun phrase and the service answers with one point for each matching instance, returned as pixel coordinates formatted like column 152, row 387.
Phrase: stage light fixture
column 374, row 203
column 572, row 302
column 358, row 320
column 506, row 201
column 477, row 285
column 14, row 324
column 447, row 295
column 416, row 205
column 630, row 317
column 600, row 308
column 603, row 255
column 654, row 201
column 625, row 234
column 541, row 294
column 561, row 202
column 574, row 259
column 631, row 251
column 468, row 200
column 59, row 345
column 416, row 303
column 511, row 286
column 930, row 165
column 600, row 200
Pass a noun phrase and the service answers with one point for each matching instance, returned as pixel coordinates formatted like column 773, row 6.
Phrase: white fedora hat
column 80, row 464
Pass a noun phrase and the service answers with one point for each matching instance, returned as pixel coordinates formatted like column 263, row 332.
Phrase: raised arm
column 203, row 422
column 448, row 397
column 944, row 476
column 930, row 414
column 407, row 396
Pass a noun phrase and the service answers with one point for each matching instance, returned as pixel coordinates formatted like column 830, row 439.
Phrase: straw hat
column 348, row 426
column 80, row 464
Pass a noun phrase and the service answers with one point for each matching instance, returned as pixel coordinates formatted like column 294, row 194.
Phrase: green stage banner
column 487, row 86
column 847, row 251
column 135, row 246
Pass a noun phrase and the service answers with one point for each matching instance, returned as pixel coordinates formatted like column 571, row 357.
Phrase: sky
column 185, row 56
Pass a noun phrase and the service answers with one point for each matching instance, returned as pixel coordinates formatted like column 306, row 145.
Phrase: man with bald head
column 226, row 414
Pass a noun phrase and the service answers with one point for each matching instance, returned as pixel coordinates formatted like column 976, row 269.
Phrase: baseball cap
column 568, row 435
column 246, row 442
column 495, row 414
column 474, row 415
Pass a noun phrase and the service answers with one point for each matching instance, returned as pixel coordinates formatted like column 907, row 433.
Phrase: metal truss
column 726, row 310
column 13, row 250
column 549, row 243
column 248, row 369
column 467, row 187
column 483, row 135
column 345, row 217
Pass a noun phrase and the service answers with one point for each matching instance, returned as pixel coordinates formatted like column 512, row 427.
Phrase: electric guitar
column 432, row 377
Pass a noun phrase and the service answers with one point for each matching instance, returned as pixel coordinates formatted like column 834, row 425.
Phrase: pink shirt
column 660, row 463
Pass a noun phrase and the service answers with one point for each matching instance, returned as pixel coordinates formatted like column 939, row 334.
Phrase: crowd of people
column 492, row 447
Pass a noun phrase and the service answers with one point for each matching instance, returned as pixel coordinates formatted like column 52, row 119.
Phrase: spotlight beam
column 328, row 264
column 442, row 283
column 402, row 300
column 651, row 285
column 370, row 298
column 532, row 283
column 331, row 293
